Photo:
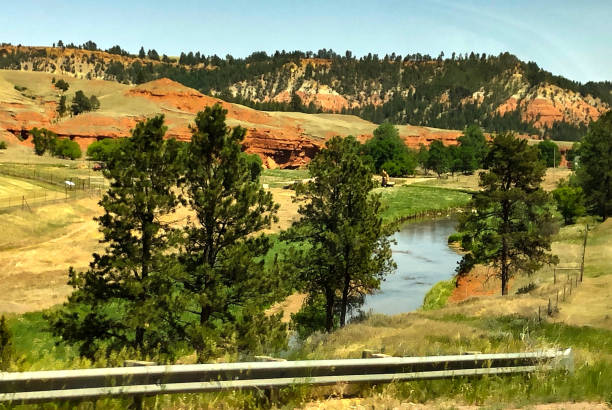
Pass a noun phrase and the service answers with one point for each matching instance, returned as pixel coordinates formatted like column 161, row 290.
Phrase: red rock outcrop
column 286, row 140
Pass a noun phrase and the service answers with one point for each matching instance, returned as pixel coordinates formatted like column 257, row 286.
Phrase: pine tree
column 61, row 106
column 225, row 288
column 347, row 252
column 125, row 299
column 595, row 166
column 512, row 222
column 141, row 53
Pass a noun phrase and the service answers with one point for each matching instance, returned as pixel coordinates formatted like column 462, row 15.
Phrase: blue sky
column 570, row 38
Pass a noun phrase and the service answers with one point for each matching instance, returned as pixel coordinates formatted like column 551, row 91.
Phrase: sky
column 567, row 37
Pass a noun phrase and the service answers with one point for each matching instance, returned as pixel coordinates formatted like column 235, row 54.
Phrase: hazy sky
column 567, row 37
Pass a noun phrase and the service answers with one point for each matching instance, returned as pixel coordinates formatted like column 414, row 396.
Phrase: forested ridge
column 443, row 91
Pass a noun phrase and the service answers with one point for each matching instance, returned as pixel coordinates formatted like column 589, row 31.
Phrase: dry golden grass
column 470, row 182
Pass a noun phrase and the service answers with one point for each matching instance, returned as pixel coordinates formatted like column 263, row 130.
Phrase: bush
column 438, row 295
column 6, row 345
column 389, row 152
column 66, row 148
column 570, row 202
column 526, row 289
column 2, row 144
column 549, row 153
column 310, row 318
column 255, row 165
column 455, row 237
column 44, row 140
column 104, row 149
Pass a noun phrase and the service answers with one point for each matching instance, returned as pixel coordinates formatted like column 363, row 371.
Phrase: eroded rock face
column 548, row 104
column 285, row 140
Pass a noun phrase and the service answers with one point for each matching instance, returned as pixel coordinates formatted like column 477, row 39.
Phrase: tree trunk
column 504, row 255
column 344, row 303
column 329, row 310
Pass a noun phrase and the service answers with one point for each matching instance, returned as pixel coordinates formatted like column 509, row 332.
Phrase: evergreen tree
column 346, row 253
column 94, row 103
column 224, row 286
column 125, row 299
column 141, row 53
column 512, row 222
column 61, row 106
column 296, row 104
column 594, row 171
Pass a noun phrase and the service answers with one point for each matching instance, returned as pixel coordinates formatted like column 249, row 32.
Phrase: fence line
column 569, row 285
column 41, row 386
column 74, row 187
column 55, row 178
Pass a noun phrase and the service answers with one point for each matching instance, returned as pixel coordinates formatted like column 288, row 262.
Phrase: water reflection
column 423, row 258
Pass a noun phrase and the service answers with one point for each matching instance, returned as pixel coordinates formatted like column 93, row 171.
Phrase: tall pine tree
column 512, row 221
column 595, row 166
column 224, row 287
column 126, row 299
column 347, row 252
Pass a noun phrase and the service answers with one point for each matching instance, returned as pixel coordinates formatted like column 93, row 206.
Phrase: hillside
column 499, row 92
column 285, row 139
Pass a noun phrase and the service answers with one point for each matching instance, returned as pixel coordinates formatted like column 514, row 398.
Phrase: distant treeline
column 417, row 88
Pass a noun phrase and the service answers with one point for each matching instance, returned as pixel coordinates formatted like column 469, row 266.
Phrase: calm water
column 423, row 258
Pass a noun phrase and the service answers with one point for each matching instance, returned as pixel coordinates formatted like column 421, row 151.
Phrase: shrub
column 66, row 148
column 438, row 295
column 44, row 140
column 6, row 345
column 570, row 202
column 2, row 144
column 455, row 237
column 526, row 289
column 104, row 149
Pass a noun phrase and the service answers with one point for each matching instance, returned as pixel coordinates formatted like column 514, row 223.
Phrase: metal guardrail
column 41, row 386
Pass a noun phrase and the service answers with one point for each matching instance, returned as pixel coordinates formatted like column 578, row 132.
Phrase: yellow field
column 13, row 187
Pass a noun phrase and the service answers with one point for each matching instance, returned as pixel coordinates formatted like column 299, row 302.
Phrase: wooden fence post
column 586, row 231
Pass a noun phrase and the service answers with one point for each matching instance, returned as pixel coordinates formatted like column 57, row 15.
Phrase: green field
column 278, row 178
column 407, row 201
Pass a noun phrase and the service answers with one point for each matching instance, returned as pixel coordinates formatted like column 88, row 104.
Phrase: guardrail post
column 271, row 393
column 566, row 361
column 137, row 400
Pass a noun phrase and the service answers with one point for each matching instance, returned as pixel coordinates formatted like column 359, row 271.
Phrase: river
column 423, row 258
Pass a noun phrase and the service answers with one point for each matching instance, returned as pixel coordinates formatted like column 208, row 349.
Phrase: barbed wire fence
column 68, row 186
column 565, row 282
